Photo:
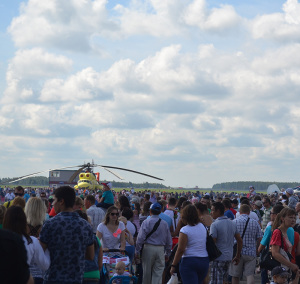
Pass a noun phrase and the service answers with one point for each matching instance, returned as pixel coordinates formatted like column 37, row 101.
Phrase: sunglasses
column 114, row 214
column 18, row 194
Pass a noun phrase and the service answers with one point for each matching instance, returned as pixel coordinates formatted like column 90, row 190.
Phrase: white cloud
column 177, row 96
column 29, row 68
column 279, row 26
column 215, row 20
column 63, row 24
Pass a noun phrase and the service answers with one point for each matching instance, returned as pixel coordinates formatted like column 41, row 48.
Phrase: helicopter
column 87, row 178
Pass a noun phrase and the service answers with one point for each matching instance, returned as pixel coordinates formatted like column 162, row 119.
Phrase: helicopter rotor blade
column 34, row 174
column 75, row 174
column 128, row 170
column 118, row 176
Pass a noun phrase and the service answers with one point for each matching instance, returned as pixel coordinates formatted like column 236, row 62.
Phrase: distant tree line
column 258, row 185
column 144, row 185
column 30, row 181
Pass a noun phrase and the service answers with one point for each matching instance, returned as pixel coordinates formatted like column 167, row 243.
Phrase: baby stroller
column 110, row 259
column 124, row 280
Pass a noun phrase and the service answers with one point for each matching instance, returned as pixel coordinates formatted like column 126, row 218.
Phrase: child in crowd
column 107, row 198
column 120, row 271
column 280, row 276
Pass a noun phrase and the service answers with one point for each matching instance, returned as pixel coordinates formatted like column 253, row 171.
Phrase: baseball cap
column 289, row 191
column 279, row 270
column 155, row 207
column 108, row 184
column 258, row 203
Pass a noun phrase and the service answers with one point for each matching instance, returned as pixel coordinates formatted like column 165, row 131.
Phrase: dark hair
column 246, row 202
column 66, row 193
column 15, row 221
column 127, row 213
column 243, row 198
column 202, row 208
column 226, row 203
column 257, row 197
column 235, row 201
column 124, row 202
column 189, row 215
column 185, row 203
column 147, row 197
column 137, row 207
column 277, row 208
column 82, row 215
column 20, row 188
column 107, row 215
column 219, row 206
column 91, row 199
column 267, row 199
column 180, row 201
column 172, row 201
column 146, row 208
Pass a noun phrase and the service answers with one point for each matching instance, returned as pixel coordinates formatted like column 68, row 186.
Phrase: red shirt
column 233, row 211
column 52, row 212
column 276, row 239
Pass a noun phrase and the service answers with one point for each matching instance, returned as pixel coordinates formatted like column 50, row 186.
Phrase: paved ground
column 256, row 279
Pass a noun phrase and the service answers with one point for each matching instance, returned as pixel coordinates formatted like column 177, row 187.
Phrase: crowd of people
column 62, row 235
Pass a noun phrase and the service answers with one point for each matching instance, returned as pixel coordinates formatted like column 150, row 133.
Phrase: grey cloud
column 244, row 141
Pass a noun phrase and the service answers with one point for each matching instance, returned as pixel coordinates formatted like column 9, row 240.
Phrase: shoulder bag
column 235, row 245
column 266, row 260
column 212, row 249
column 149, row 234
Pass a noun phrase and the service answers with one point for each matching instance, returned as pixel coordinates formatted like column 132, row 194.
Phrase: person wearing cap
column 157, row 247
column 252, row 190
column 107, row 198
column 280, row 276
column 293, row 199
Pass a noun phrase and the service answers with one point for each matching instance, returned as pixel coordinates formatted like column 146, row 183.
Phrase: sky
column 196, row 92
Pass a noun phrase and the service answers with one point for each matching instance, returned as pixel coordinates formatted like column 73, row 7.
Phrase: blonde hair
column 121, row 264
column 123, row 219
column 35, row 211
column 19, row 201
column 2, row 213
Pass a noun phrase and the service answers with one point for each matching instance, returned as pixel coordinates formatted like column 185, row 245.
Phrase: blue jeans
column 130, row 252
column 193, row 270
column 264, row 276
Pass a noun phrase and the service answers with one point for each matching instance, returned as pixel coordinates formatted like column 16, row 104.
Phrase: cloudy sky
column 196, row 92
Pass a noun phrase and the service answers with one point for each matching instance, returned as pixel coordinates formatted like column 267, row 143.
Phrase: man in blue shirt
column 69, row 239
column 228, row 213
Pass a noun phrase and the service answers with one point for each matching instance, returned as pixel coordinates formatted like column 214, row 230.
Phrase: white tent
column 272, row 188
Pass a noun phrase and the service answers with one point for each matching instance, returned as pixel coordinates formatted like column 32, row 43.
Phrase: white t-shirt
column 131, row 228
column 36, row 254
column 111, row 240
column 196, row 244
column 170, row 213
